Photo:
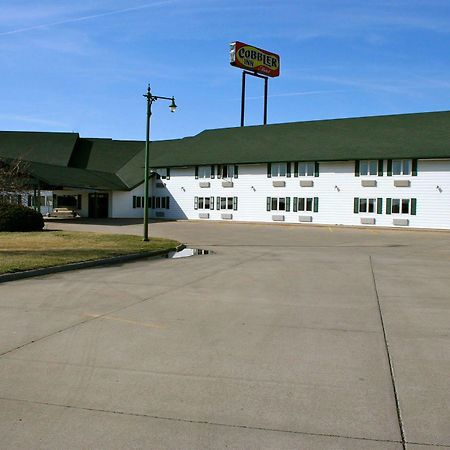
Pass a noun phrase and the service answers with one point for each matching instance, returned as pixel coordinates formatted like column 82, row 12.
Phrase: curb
column 86, row 264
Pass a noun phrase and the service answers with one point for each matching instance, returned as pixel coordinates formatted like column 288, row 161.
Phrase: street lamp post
column 150, row 99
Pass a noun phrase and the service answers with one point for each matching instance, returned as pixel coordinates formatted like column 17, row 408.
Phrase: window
column 14, row 199
column 278, row 204
column 153, row 202
column 401, row 206
column 204, row 203
column 401, row 167
column 227, row 171
column 368, row 167
column 278, row 169
column 204, row 172
column 368, row 205
column 227, row 203
column 306, row 169
column 306, row 204
column 163, row 172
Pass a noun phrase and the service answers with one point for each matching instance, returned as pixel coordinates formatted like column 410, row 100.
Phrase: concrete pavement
column 274, row 341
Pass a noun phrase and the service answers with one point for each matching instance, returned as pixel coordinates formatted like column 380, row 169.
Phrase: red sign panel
column 254, row 59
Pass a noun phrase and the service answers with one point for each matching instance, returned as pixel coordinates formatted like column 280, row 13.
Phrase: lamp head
column 172, row 106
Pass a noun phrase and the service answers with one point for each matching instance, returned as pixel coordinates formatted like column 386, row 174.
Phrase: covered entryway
column 98, row 205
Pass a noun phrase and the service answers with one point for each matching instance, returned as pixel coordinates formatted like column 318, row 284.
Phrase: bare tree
column 14, row 181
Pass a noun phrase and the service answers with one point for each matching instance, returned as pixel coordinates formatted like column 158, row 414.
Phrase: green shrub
column 20, row 218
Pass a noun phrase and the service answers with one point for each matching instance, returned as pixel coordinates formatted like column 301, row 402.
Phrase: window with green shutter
column 316, row 204
column 413, row 206
column 356, row 205
column 414, row 167
column 380, row 167
column 357, row 168
column 388, row 205
column 389, row 167
column 379, row 206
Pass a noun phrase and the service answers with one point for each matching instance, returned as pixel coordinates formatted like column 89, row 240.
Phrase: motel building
column 383, row 171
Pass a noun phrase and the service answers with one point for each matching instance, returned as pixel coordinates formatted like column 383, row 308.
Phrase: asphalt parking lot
column 287, row 337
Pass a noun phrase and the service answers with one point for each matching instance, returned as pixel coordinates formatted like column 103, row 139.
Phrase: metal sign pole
column 243, row 98
column 266, row 83
column 266, row 88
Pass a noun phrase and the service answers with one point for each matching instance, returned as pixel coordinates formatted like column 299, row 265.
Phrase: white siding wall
column 336, row 188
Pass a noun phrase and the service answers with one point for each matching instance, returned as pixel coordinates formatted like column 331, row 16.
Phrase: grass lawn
column 24, row 251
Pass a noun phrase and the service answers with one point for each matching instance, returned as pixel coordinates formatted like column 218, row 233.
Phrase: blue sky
column 83, row 66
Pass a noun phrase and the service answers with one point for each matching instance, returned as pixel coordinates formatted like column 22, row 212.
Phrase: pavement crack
column 389, row 357
column 199, row 422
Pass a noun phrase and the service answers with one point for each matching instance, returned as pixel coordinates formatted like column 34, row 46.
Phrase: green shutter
column 168, row 174
column 196, row 172
column 355, row 205
column 268, row 203
column 316, row 169
column 316, row 204
column 167, row 202
column 235, row 205
column 379, row 206
column 217, row 203
column 296, row 169
column 269, row 171
column 389, row 167
column 212, row 171
column 295, row 204
column 219, row 171
column 288, row 169
column 357, row 168
column 211, row 203
column 388, row 205
column 414, row 167
column 413, row 206
column 235, row 171
column 380, row 167
column 288, row 204
column 134, row 201
column 195, row 202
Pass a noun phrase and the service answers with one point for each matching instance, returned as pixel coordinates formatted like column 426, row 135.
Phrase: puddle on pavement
column 185, row 253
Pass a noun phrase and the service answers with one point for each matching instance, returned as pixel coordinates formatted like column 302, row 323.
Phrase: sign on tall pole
column 256, row 62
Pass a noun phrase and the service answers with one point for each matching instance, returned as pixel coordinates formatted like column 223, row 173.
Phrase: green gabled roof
column 73, row 177
column 422, row 135
column 48, row 148
column 104, row 155
column 65, row 159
